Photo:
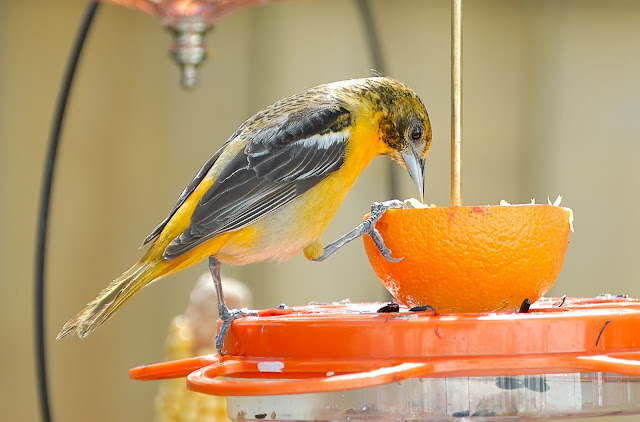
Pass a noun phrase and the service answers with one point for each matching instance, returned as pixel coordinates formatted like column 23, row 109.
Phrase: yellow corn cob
column 191, row 335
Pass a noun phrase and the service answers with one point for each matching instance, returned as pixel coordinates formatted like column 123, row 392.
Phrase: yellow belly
column 285, row 232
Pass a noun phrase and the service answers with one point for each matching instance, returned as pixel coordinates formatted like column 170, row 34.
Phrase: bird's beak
column 415, row 166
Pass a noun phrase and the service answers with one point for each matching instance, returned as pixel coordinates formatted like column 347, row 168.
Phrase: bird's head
column 404, row 127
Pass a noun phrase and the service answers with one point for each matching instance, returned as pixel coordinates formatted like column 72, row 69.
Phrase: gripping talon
column 379, row 208
column 379, row 242
column 228, row 316
column 389, row 258
column 368, row 226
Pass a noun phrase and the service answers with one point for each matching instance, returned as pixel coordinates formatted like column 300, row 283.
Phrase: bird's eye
column 416, row 132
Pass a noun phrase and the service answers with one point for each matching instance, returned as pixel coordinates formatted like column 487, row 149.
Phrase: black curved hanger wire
column 43, row 219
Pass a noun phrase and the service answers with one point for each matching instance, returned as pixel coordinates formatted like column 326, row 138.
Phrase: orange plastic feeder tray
column 560, row 359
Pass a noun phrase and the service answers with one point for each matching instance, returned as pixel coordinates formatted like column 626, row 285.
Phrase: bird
column 273, row 187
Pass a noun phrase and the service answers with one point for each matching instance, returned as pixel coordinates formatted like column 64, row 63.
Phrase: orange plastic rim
column 471, row 259
column 345, row 346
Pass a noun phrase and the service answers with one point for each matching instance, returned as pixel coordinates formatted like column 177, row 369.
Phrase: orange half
column 472, row 259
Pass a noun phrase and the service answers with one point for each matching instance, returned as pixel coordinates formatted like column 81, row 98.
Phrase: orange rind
column 472, row 258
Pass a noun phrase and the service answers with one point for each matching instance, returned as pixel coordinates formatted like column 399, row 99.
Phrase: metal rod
column 43, row 219
column 456, row 103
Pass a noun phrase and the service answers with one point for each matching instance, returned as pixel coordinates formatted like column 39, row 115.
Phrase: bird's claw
column 379, row 242
column 377, row 210
column 368, row 226
column 228, row 316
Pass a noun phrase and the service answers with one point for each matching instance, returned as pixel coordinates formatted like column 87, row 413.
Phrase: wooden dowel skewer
column 456, row 102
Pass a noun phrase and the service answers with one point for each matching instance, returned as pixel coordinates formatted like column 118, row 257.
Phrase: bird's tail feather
column 111, row 299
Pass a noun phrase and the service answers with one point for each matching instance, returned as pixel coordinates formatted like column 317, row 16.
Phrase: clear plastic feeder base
column 478, row 399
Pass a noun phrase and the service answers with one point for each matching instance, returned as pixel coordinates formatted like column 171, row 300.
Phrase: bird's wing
column 185, row 194
column 279, row 163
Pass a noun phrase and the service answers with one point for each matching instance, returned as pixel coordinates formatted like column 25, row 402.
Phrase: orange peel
column 472, row 258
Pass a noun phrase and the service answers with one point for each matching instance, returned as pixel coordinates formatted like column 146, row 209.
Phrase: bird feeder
column 349, row 361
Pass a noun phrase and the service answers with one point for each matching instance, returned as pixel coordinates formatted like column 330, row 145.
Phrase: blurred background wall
column 551, row 106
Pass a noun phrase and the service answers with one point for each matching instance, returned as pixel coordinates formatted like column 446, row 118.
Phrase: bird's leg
column 368, row 226
column 226, row 315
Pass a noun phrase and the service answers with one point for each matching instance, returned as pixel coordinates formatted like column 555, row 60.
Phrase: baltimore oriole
column 274, row 186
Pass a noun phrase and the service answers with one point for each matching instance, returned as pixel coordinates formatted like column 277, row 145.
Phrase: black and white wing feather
column 281, row 162
column 185, row 194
